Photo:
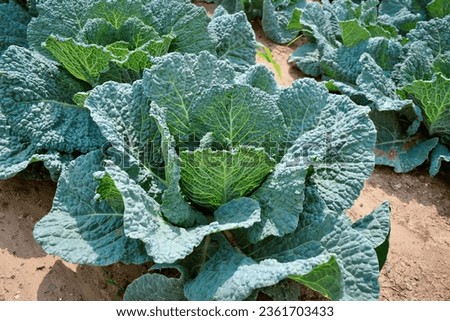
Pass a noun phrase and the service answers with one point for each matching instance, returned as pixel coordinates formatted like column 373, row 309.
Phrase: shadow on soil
column 66, row 282
column 22, row 204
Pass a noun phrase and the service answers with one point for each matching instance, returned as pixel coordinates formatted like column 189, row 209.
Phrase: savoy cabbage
column 77, row 45
column 276, row 15
column 170, row 145
column 385, row 54
column 236, row 183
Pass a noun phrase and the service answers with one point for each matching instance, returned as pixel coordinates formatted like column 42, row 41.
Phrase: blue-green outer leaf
column 439, row 154
column 176, row 80
column 81, row 229
column 13, row 25
column 155, row 287
column 166, row 243
column 340, row 150
column 236, row 41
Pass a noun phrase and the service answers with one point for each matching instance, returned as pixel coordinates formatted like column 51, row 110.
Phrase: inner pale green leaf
column 212, row 178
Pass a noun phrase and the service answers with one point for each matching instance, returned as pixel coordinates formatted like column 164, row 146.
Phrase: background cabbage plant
column 392, row 56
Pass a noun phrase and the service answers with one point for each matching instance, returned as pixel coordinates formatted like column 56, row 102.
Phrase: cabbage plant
column 75, row 46
column 276, row 15
column 386, row 55
column 237, row 184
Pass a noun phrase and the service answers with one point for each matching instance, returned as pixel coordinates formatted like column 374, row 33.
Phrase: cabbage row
column 276, row 16
column 170, row 145
column 392, row 56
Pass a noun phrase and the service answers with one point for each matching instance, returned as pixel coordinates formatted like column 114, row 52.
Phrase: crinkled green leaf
column 281, row 198
column 382, row 31
column 395, row 147
column 321, row 22
column 435, row 33
column 416, row 66
column 80, row 97
column 15, row 155
column 325, row 279
column 439, row 154
column 276, row 18
column 108, row 192
column 117, row 12
column 434, row 99
column 176, row 80
column 156, row 287
column 136, row 32
column 37, row 104
column 442, row 64
column 86, row 39
column 260, row 77
column 235, row 38
column 188, row 22
column 356, row 257
column 137, row 60
column 294, row 23
column 352, row 32
column 174, row 206
column 99, row 31
column 85, row 62
column 212, row 178
column 83, row 20
column 340, row 64
column 344, row 65
column 233, row 6
column 166, row 243
column 81, row 229
column 376, row 228
column 439, row 8
column 58, row 18
column 27, row 76
column 377, row 88
column 40, row 124
column 307, row 59
column 386, row 52
column 301, row 105
column 122, row 112
column 237, row 115
column 158, row 47
column 403, row 14
column 340, row 150
column 349, row 10
column 13, row 25
column 231, row 275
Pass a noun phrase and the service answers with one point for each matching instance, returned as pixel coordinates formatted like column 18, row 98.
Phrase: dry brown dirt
column 418, row 265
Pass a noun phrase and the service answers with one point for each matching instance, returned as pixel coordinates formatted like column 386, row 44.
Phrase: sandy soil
column 418, row 265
